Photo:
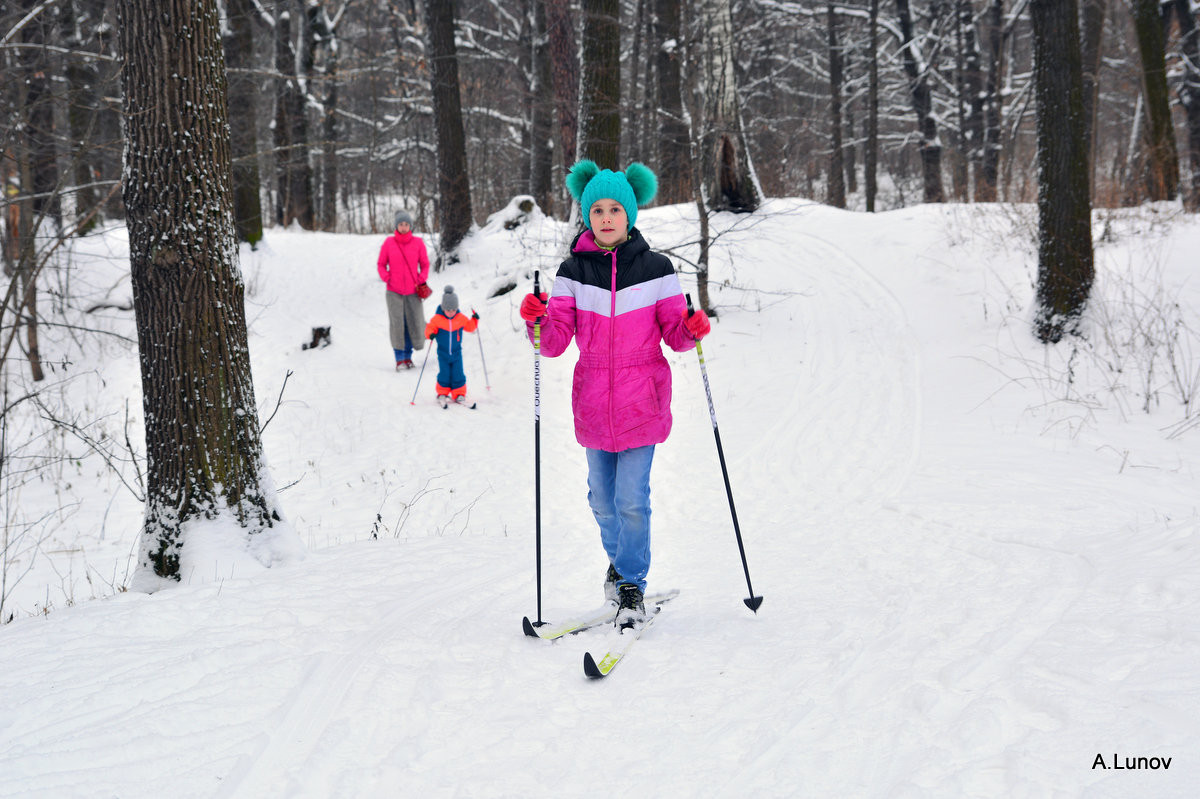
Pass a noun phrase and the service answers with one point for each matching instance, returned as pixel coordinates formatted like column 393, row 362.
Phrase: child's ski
column 605, row 615
column 619, row 644
column 445, row 402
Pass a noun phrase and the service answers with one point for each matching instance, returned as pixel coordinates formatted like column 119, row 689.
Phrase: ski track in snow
column 862, row 360
column 315, row 702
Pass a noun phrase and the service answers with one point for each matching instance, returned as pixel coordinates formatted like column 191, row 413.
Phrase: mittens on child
column 696, row 324
column 533, row 307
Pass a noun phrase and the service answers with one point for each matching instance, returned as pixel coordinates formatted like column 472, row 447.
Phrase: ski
column 619, row 645
column 445, row 402
column 604, row 615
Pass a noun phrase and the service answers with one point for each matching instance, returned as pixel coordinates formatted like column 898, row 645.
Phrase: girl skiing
column 620, row 301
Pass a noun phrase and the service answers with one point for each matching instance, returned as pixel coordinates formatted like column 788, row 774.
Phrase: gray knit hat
column 449, row 301
column 403, row 216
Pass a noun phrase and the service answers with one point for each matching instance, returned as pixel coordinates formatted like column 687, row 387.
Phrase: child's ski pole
column 753, row 601
column 422, row 374
column 537, row 449
column 481, row 358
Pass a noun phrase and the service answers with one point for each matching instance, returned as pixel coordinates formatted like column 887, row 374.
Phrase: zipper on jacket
column 612, row 343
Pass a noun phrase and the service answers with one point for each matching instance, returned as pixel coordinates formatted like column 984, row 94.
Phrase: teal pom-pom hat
column 636, row 186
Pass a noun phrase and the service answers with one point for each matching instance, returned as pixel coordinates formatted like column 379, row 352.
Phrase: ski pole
column 481, row 358
column 537, row 449
column 753, row 601
column 422, row 374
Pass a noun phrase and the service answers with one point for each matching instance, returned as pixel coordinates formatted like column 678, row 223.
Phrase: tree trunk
column 1189, row 97
column 871, row 155
column 849, row 148
column 39, row 116
column 728, row 174
column 987, row 180
column 541, row 121
column 41, row 171
column 674, row 149
column 454, row 203
column 564, row 61
column 638, row 88
column 600, row 94
column 83, row 83
column 922, row 100
column 1092, row 23
column 1162, row 177
column 203, row 451
column 692, row 56
column 1065, row 258
column 324, row 46
column 244, row 101
column 837, row 180
column 970, row 98
column 293, row 171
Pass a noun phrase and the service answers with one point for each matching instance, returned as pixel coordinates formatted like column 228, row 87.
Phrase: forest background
column 333, row 125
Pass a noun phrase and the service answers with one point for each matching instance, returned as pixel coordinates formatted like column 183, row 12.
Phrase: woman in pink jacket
column 620, row 301
column 404, row 266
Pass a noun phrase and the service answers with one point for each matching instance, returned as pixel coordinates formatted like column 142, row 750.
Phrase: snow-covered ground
column 980, row 558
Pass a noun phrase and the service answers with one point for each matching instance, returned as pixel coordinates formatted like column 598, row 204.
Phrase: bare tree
column 600, row 93
column 243, row 104
column 726, row 170
column 1189, row 96
column 837, row 180
column 203, row 450
column 871, row 156
column 969, row 69
column 322, row 68
column 564, row 61
column 1162, row 177
column 454, row 206
column 1065, row 257
column 292, row 171
column 987, row 180
column 674, row 156
column 1092, row 31
column 922, row 101
column 541, row 110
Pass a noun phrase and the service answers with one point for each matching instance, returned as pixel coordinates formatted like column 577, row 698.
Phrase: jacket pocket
column 636, row 404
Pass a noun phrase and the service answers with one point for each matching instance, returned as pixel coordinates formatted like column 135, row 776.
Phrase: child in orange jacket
column 447, row 327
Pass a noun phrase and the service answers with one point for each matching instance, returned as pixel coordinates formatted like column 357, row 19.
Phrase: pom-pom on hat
column 636, row 186
column 449, row 301
column 403, row 216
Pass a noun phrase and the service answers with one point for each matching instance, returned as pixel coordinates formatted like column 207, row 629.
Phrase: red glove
column 533, row 307
column 423, row 291
column 697, row 324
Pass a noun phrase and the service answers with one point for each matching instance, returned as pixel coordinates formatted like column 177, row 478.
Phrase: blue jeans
column 406, row 353
column 619, row 494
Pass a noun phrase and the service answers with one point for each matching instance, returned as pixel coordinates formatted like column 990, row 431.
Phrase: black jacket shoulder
column 636, row 263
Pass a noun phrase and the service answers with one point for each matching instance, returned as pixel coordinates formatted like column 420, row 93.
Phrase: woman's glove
column 533, row 307
column 423, row 291
column 696, row 323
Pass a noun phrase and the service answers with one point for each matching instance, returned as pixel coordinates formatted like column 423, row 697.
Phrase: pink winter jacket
column 619, row 306
column 403, row 263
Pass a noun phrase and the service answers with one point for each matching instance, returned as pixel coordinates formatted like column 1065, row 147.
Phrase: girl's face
column 609, row 223
column 403, row 228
